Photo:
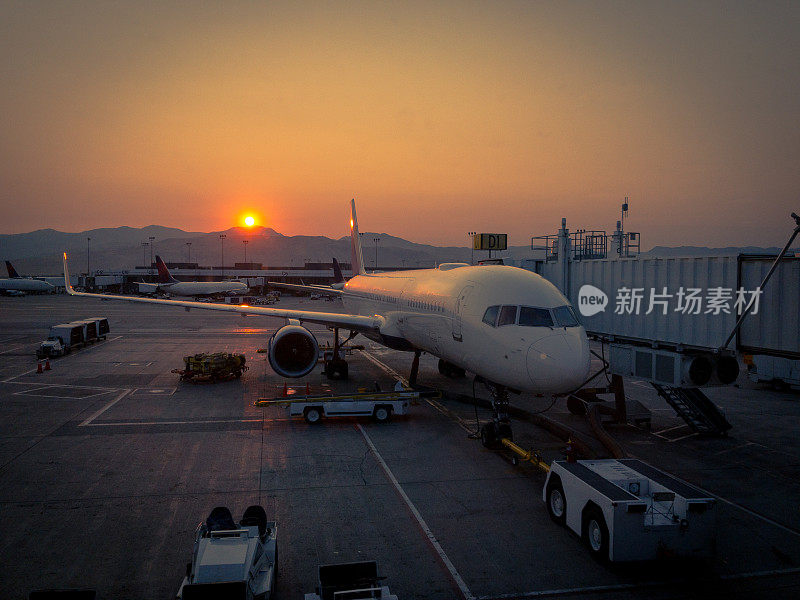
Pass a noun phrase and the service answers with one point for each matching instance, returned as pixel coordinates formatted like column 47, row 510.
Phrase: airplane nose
column 559, row 362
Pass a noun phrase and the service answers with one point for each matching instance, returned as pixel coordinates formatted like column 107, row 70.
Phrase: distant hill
column 39, row 252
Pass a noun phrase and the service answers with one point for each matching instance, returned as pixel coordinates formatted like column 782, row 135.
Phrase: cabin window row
column 530, row 316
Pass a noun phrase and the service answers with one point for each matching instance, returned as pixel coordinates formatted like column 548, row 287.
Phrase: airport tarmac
column 108, row 462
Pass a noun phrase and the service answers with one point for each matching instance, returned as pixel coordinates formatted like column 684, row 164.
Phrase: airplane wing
column 148, row 288
column 345, row 321
column 323, row 289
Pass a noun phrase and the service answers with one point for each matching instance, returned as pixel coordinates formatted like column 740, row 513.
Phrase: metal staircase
column 694, row 407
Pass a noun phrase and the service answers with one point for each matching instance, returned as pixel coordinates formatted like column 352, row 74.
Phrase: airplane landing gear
column 499, row 427
column 335, row 366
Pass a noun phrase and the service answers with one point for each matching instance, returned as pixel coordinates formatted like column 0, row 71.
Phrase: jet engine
column 293, row 351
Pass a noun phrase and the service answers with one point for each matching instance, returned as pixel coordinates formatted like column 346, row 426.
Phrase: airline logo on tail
column 163, row 272
column 355, row 242
column 12, row 272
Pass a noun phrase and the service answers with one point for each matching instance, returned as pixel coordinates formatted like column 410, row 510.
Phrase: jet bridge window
column 535, row 317
column 565, row 316
column 490, row 316
column 508, row 316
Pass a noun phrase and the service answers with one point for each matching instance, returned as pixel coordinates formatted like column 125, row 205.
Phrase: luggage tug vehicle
column 220, row 366
column 230, row 560
column 350, row 581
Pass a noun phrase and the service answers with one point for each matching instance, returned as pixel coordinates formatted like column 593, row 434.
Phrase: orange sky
column 439, row 118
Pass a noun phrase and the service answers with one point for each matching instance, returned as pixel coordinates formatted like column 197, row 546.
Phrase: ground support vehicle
column 50, row 348
column 230, row 560
column 783, row 373
column 215, row 367
column 350, row 581
column 381, row 406
column 627, row 510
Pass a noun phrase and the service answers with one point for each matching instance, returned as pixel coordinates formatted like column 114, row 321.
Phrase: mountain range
column 39, row 252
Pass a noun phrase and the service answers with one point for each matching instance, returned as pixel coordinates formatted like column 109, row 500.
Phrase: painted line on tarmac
column 18, row 347
column 83, row 351
column 384, row 367
column 436, row 405
column 119, row 397
column 33, row 394
column 61, row 385
column 196, row 422
column 459, row 581
column 633, row 586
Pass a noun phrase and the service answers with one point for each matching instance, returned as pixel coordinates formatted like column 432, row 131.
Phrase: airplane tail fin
column 163, row 272
column 357, row 256
column 12, row 272
column 337, row 272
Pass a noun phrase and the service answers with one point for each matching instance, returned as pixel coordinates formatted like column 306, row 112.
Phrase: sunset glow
column 439, row 118
column 249, row 221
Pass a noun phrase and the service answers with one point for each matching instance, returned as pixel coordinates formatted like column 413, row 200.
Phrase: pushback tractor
column 626, row 510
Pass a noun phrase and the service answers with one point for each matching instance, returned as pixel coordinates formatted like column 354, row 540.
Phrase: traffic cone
column 47, row 365
column 38, row 367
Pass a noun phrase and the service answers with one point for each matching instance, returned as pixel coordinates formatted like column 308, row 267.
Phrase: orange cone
column 38, row 367
column 47, row 365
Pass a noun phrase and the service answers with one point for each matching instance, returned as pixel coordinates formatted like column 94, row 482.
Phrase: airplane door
column 461, row 303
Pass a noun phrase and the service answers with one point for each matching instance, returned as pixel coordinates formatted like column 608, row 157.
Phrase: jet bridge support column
column 412, row 378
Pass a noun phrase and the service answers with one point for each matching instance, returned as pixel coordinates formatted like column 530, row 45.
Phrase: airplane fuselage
column 25, row 285
column 444, row 312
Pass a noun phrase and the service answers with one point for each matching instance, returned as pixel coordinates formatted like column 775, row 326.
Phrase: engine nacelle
column 293, row 351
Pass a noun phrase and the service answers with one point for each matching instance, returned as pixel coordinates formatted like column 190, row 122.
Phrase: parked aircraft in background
column 338, row 283
column 510, row 327
column 169, row 285
column 15, row 283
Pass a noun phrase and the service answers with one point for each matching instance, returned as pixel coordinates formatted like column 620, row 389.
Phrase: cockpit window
column 535, row 317
column 490, row 316
column 565, row 316
column 508, row 316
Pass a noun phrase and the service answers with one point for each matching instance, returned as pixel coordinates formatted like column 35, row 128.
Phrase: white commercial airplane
column 168, row 284
column 510, row 327
column 337, row 285
column 23, row 284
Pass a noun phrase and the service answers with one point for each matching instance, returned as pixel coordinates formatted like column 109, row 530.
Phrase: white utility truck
column 235, row 561
column 350, row 581
column 378, row 405
column 627, row 510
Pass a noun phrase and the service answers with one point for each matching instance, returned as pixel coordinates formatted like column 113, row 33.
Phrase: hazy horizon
column 439, row 118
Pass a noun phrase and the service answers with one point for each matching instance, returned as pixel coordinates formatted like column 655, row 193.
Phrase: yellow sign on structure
column 490, row 241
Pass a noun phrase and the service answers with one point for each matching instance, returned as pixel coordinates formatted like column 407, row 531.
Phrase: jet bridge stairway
column 694, row 407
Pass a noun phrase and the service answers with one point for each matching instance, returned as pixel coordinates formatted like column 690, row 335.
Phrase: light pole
column 376, row 240
column 150, row 268
column 144, row 252
column 188, row 252
column 88, row 239
column 472, row 246
column 222, row 237
column 245, row 242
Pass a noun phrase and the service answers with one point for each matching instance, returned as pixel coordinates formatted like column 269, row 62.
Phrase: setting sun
column 249, row 221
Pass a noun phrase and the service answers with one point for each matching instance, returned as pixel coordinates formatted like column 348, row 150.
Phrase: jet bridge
column 666, row 319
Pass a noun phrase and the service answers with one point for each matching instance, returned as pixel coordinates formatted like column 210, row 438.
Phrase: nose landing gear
column 500, row 426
